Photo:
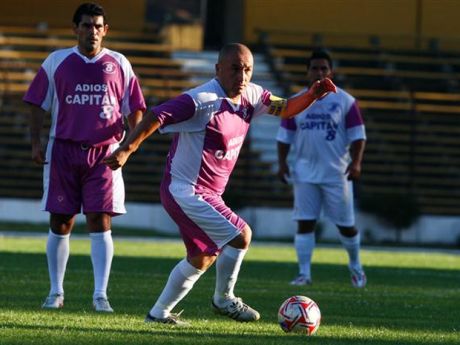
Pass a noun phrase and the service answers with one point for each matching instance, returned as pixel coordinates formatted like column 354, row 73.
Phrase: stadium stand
column 22, row 50
column 163, row 74
column 408, row 99
column 412, row 113
column 373, row 69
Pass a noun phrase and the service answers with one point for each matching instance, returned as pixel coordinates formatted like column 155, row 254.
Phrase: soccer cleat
column 237, row 310
column 101, row 304
column 358, row 278
column 54, row 301
column 301, row 280
column 171, row 319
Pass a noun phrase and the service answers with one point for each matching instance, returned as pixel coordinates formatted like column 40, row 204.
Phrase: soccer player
column 89, row 90
column 323, row 170
column 209, row 123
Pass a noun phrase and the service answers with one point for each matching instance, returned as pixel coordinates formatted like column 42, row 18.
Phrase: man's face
column 90, row 32
column 234, row 72
column 319, row 69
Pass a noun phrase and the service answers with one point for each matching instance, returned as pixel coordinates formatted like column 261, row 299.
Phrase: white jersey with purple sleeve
column 321, row 136
column 87, row 97
column 210, row 130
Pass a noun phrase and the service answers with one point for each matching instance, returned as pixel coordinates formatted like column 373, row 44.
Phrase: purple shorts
column 75, row 180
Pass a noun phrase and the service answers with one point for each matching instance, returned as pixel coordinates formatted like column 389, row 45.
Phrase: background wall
column 266, row 223
column 332, row 16
column 440, row 19
column 399, row 23
column 122, row 15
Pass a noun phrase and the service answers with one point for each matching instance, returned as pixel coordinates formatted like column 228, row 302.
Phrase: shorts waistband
column 83, row 145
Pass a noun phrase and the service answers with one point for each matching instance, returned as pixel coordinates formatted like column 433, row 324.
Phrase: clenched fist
column 321, row 88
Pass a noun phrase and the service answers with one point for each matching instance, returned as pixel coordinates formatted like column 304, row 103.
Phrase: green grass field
column 412, row 297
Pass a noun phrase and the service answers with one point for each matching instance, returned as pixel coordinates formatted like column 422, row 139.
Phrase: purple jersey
column 210, row 130
column 87, row 98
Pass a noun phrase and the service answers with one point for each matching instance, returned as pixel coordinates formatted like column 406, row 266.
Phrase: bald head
column 234, row 69
column 232, row 49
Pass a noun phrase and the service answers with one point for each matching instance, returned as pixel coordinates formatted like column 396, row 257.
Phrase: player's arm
column 286, row 108
column 283, row 168
column 134, row 119
column 357, row 153
column 36, row 119
column 146, row 127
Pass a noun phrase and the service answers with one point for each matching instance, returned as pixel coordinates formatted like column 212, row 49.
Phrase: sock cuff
column 100, row 234
column 51, row 233
column 309, row 235
column 350, row 240
column 187, row 269
column 233, row 252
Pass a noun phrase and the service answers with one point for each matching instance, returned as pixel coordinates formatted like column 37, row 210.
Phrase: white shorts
column 335, row 199
column 205, row 222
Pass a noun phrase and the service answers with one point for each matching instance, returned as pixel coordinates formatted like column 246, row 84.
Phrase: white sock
column 352, row 244
column 57, row 253
column 101, row 257
column 228, row 265
column 304, row 245
column 180, row 282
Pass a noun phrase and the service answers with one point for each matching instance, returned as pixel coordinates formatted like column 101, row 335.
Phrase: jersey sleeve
column 174, row 111
column 133, row 98
column 259, row 98
column 136, row 99
column 354, row 124
column 286, row 131
column 41, row 89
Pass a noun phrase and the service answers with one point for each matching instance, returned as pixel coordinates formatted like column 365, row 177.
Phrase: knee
column 306, row 226
column 98, row 222
column 202, row 262
column 348, row 231
column 243, row 240
column 61, row 224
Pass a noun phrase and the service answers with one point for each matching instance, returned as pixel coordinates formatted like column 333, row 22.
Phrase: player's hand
column 116, row 160
column 353, row 171
column 38, row 155
column 283, row 173
column 321, row 88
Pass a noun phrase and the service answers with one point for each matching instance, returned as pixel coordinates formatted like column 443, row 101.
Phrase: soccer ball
column 299, row 314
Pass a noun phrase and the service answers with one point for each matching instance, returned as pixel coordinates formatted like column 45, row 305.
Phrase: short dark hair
column 319, row 54
column 90, row 9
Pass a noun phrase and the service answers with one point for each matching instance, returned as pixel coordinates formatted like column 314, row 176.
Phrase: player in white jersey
column 323, row 170
column 209, row 124
column 88, row 90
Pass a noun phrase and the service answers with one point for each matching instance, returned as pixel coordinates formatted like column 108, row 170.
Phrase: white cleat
column 54, row 301
column 237, row 310
column 358, row 278
column 102, row 305
column 301, row 280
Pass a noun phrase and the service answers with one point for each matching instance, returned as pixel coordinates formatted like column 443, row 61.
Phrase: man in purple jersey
column 88, row 90
column 323, row 169
column 209, row 124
